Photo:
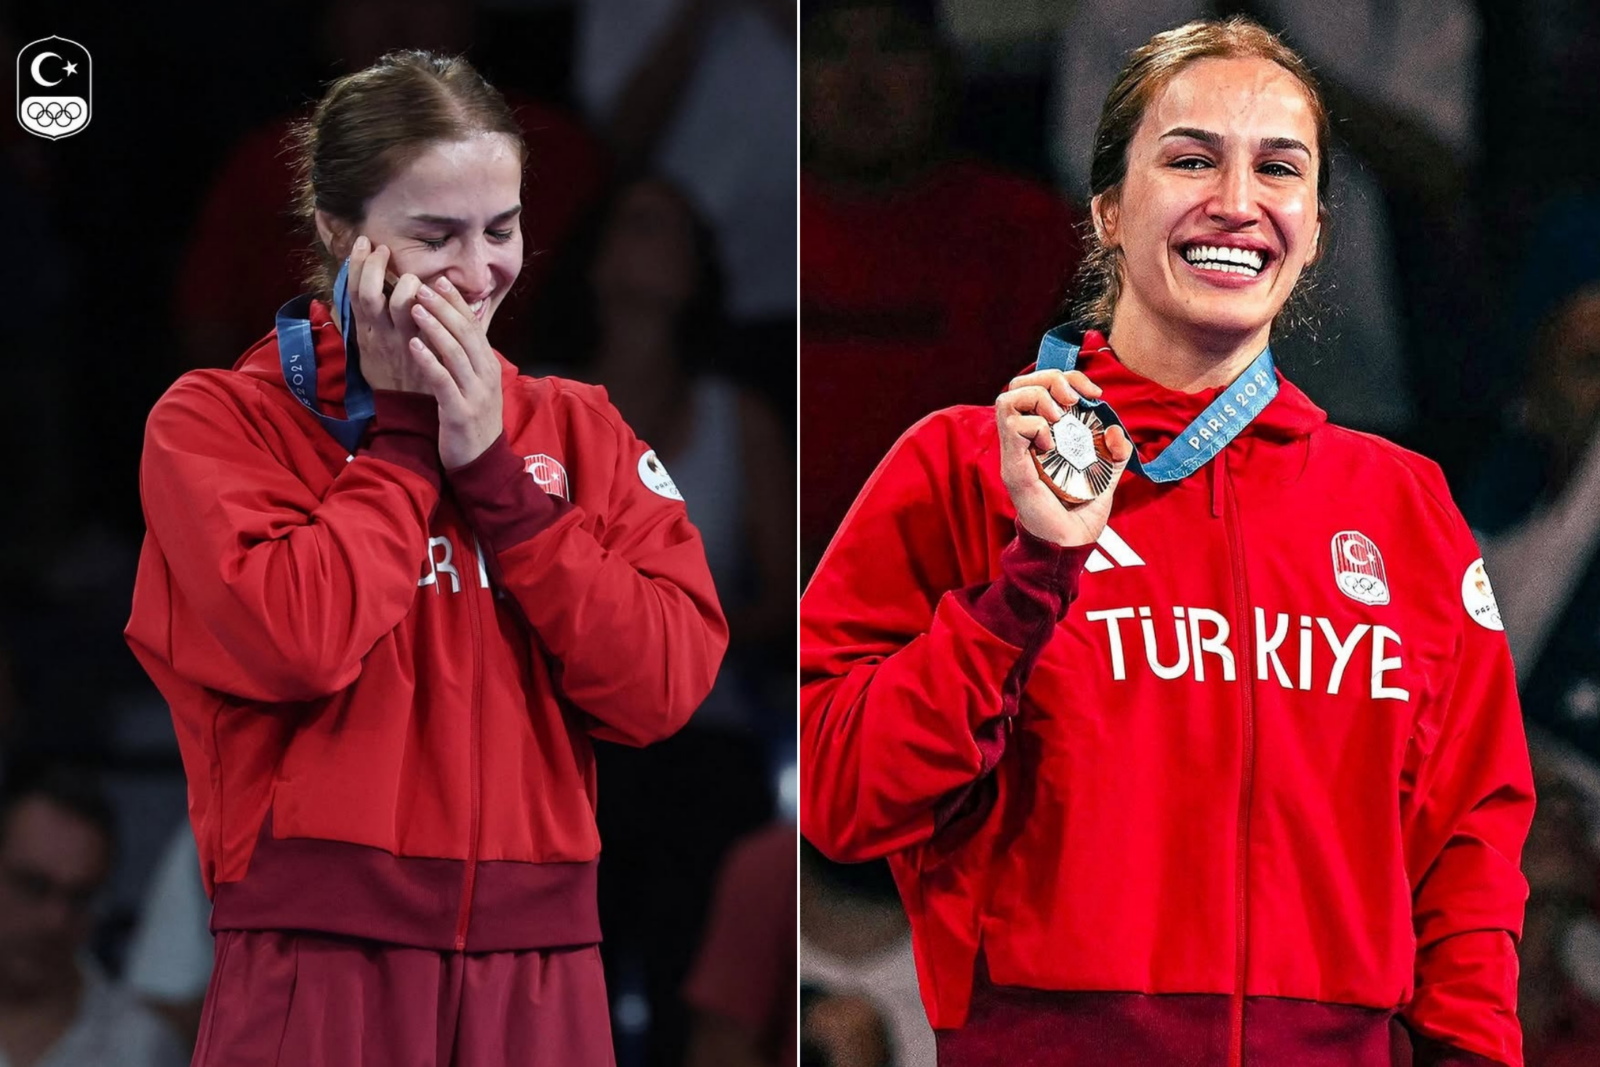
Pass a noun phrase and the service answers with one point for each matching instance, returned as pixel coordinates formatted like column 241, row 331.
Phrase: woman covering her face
column 392, row 590
column 1185, row 718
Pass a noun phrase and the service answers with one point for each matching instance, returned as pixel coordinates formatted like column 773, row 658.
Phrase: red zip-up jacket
column 1245, row 784
column 385, row 679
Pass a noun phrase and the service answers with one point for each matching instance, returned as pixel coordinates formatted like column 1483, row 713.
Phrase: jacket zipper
column 1247, row 762
column 475, row 772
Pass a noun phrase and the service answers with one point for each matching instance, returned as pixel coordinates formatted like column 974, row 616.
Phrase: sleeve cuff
column 501, row 501
column 405, row 432
column 1038, row 581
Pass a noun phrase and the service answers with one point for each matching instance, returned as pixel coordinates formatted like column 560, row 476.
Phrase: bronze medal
column 1078, row 468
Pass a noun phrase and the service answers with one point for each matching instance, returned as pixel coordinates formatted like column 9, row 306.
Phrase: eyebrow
column 1206, row 137
column 441, row 220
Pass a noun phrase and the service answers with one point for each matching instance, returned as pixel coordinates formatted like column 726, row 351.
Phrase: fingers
column 405, row 294
column 449, row 307
column 1066, row 386
column 1032, row 430
column 1121, row 448
column 1121, row 451
column 370, row 287
column 443, row 343
column 1035, row 400
column 438, row 381
column 358, row 259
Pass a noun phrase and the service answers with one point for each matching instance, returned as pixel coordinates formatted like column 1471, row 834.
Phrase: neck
column 1187, row 362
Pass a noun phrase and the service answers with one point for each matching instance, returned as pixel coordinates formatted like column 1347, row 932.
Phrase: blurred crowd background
column 660, row 221
column 944, row 154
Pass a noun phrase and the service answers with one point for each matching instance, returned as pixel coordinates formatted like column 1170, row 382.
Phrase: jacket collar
column 262, row 361
column 1155, row 415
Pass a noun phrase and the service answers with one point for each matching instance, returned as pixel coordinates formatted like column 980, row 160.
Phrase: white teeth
column 1216, row 257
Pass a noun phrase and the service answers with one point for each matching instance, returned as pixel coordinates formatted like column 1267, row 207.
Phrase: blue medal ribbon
column 297, row 352
column 1222, row 420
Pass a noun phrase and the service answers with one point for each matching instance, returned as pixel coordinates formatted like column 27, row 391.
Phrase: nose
column 473, row 273
column 1233, row 202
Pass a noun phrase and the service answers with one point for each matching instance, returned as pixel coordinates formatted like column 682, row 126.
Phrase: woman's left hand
column 469, row 402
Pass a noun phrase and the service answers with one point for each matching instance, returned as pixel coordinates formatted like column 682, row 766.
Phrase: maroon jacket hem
column 501, row 502
column 1010, row 1025
column 335, row 887
column 405, row 432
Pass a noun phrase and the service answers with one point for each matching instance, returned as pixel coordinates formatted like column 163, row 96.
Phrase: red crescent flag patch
column 550, row 474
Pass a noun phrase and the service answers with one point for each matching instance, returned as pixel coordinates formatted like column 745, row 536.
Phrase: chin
column 1225, row 318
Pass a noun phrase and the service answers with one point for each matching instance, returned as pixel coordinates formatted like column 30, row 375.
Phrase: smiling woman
column 382, row 590
column 1241, row 781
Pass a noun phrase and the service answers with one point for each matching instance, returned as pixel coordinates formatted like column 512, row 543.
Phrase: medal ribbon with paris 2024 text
column 297, row 351
column 1202, row 439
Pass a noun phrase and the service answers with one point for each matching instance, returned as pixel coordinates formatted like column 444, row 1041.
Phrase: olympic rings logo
column 1361, row 583
column 53, row 113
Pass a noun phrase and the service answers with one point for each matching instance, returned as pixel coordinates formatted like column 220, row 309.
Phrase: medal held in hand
column 1078, row 467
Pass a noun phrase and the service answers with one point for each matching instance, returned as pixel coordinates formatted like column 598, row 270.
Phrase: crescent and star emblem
column 38, row 74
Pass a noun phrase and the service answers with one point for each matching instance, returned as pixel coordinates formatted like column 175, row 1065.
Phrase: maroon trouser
column 309, row 1000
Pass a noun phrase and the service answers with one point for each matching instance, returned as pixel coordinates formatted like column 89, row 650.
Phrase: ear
column 1316, row 245
column 334, row 234
column 1104, row 210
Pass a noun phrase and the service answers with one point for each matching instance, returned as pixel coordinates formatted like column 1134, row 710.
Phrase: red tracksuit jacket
column 1243, row 782
column 384, row 679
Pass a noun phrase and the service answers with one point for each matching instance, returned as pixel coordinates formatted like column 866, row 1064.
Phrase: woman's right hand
column 383, row 324
column 1023, row 414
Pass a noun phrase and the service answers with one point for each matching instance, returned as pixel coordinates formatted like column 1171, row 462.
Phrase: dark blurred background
column 945, row 146
column 660, row 200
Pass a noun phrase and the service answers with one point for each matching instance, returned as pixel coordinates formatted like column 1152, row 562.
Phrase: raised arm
column 253, row 583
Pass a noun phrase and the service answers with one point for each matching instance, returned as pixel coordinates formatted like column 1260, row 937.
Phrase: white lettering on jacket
column 1198, row 633
column 437, row 564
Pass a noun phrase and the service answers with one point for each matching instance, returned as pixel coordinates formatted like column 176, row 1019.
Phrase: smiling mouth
column 1246, row 261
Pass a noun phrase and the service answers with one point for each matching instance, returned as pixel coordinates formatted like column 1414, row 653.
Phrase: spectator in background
column 926, row 279
column 742, row 989
column 842, row 1030
column 650, row 317
column 1535, row 501
column 1558, row 998
column 169, row 958
column 855, row 944
column 247, row 251
column 657, row 297
column 702, row 92
column 1396, row 281
column 57, row 1007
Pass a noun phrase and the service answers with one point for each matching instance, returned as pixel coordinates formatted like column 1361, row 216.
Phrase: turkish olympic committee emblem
column 1358, row 568
column 54, row 97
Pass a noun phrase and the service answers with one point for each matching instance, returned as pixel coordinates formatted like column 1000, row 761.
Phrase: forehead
column 481, row 175
column 41, row 836
column 1250, row 98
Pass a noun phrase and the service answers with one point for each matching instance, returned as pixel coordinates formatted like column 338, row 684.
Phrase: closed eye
column 498, row 236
